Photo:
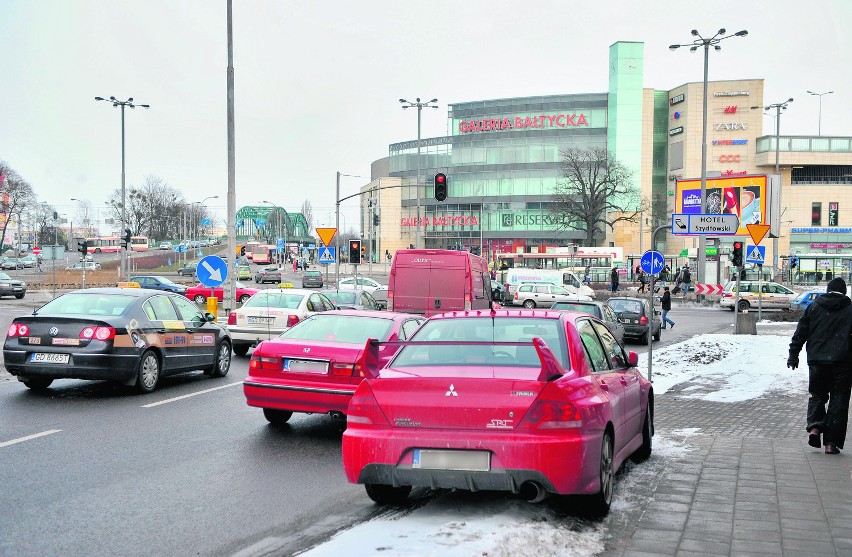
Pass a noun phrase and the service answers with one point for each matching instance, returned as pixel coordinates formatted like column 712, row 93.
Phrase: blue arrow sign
column 212, row 271
column 259, row 222
column 205, row 222
column 183, row 248
column 327, row 255
column 177, row 249
column 756, row 254
column 279, row 245
column 240, row 223
column 652, row 262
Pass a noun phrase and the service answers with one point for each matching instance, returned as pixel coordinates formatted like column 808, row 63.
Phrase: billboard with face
column 744, row 196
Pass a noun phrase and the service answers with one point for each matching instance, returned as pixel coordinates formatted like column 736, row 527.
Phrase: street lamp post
column 419, row 105
column 693, row 46
column 128, row 103
column 820, row 95
column 778, row 108
column 201, row 206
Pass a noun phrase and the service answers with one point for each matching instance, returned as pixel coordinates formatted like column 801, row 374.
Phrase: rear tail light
column 727, row 295
column 390, row 300
column 467, row 305
column 265, row 363
column 344, row 370
column 232, row 318
column 99, row 333
column 364, row 409
column 18, row 330
column 643, row 320
column 292, row 320
column 552, row 414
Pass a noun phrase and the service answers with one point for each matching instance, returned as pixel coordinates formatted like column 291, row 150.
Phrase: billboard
column 744, row 196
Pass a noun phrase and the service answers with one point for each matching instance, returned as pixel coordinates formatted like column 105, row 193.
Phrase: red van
column 431, row 281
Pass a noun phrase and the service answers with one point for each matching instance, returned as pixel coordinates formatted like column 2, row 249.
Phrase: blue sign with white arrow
column 205, row 222
column 652, row 262
column 756, row 254
column 212, row 271
column 279, row 245
column 327, row 255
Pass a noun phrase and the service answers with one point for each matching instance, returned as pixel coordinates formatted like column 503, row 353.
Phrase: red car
column 199, row 293
column 530, row 402
column 312, row 367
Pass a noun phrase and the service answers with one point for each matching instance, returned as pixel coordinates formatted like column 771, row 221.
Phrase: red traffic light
column 440, row 178
column 738, row 245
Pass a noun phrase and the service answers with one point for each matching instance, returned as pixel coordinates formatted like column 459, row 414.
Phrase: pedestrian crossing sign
column 326, row 255
column 756, row 254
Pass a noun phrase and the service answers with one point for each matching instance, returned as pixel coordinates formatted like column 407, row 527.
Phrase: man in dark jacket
column 666, row 304
column 826, row 327
column 613, row 279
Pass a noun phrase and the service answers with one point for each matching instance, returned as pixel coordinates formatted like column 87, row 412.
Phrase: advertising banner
column 744, row 196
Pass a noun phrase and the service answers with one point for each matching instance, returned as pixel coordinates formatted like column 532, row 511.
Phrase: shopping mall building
column 502, row 160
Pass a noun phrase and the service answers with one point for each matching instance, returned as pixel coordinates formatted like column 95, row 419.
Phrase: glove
column 793, row 362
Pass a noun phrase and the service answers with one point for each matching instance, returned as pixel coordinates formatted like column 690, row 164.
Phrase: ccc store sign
column 729, row 158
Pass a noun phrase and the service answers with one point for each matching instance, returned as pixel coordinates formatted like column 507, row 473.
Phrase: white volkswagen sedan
column 269, row 313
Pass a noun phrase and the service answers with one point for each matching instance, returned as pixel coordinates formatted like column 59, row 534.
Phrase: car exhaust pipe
column 338, row 416
column 532, row 492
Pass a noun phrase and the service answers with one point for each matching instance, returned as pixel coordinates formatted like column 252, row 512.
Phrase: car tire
column 645, row 338
column 387, row 494
column 19, row 296
column 529, row 304
column 743, row 305
column 277, row 417
column 244, row 298
column 601, row 500
column 222, row 365
column 644, row 451
column 657, row 334
column 199, row 299
column 37, row 383
column 148, row 374
column 241, row 349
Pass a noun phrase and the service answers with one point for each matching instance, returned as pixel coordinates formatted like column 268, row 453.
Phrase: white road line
column 28, row 437
column 168, row 400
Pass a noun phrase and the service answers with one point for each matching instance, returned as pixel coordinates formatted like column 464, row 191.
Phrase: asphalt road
column 187, row 470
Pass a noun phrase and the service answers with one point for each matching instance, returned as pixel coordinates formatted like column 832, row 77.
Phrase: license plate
column 254, row 320
column 305, row 366
column 477, row 461
column 41, row 357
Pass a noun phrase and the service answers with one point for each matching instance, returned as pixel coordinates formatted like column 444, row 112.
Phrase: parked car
column 352, row 299
column 188, row 270
column 359, row 283
column 772, row 296
column 12, row 287
column 243, row 272
column 380, row 294
column 268, row 274
column 466, row 407
column 599, row 310
column 89, row 266
column 125, row 335
column 29, row 261
column 803, row 300
column 166, row 246
column 157, row 282
column 199, row 293
column 11, row 263
column 313, row 366
column 312, row 279
column 640, row 322
column 543, row 295
column 271, row 312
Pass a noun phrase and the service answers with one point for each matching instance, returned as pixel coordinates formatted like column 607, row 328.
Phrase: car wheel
column 645, row 338
column 149, row 372
column 223, row 360
column 387, row 494
column 199, row 299
column 657, row 334
column 743, row 305
column 277, row 417
column 241, row 349
column 529, row 304
column 644, row 451
column 601, row 500
column 19, row 296
column 244, row 298
column 37, row 383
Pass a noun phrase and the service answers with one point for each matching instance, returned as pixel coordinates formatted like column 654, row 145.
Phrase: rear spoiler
column 370, row 363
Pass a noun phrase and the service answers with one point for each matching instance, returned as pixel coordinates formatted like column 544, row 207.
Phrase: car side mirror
column 632, row 359
column 209, row 317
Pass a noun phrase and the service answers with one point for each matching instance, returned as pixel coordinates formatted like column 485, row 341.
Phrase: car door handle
column 623, row 381
column 604, row 386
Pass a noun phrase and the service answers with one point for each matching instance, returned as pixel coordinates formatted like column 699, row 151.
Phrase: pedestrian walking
column 686, row 279
column 825, row 329
column 587, row 275
column 613, row 279
column 664, row 275
column 643, row 279
column 666, row 304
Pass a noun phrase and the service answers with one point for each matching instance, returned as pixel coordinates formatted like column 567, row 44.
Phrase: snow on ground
column 725, row 368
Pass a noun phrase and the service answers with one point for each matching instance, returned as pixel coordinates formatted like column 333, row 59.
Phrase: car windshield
column 346, row 329
column 164, row 280
column 341, row 297
column 630, row 306
column 485, row 329
column 87, row 303
column 4, row 276
column 312, row 274
column 275, row 300
column 591, row 309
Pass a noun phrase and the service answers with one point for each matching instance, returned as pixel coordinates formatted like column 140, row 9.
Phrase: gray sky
column 317, row 82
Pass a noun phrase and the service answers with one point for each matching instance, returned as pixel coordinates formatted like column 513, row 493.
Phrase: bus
column 250, row 245
column 139, row 243
column 261, row 254
column 103, row 244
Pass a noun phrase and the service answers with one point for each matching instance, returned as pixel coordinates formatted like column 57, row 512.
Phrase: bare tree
column 597, row 191
column 17, row 195
column 308, row 213
column 155, row 208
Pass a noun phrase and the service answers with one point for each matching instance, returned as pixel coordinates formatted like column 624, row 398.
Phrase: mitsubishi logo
column 53, row 331
column 306, row 349
column 452, row 391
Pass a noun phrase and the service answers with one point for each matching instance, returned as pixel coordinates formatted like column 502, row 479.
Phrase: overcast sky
column 318, row 82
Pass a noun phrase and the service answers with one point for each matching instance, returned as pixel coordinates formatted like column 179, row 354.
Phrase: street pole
column 230, row 298
column 337, row 234
column 123, row 263
column 417, row 185
column 777, row 173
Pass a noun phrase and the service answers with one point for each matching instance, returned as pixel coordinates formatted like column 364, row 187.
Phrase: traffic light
column 376, row 220
column 737, row 254
column 440, row 186
column 355, row 252
column 793, row 262
column 125, row 240
column 83, row 247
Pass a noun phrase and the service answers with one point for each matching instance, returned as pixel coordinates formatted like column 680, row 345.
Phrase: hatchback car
column 640, row 322
column 526, row 402
column 132, row 336
column 269, row 313
column 769, row 295
column 268, row 274
column 313, row 366
column 243, row 272
column 599, row 310
column 359, row 283
column 12, row 287
column 352, row 299
column 188, row 270
column 803, row 300
column 11, row 263
column 156, row 282
column 543, row 295
column 312, row 279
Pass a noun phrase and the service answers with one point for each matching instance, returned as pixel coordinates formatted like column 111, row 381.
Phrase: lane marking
column 28, row 437
column 168, row 400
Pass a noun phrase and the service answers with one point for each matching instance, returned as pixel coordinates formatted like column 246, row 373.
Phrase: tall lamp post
column 128, row 103
column 820, row 95
column 201, row 204
column 419, row 105
column 778, row 108
column 693, row 46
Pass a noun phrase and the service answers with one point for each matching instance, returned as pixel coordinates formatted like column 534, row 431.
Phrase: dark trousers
column 829, row 384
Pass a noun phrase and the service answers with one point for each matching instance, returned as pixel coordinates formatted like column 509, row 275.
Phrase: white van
column 516, row 275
